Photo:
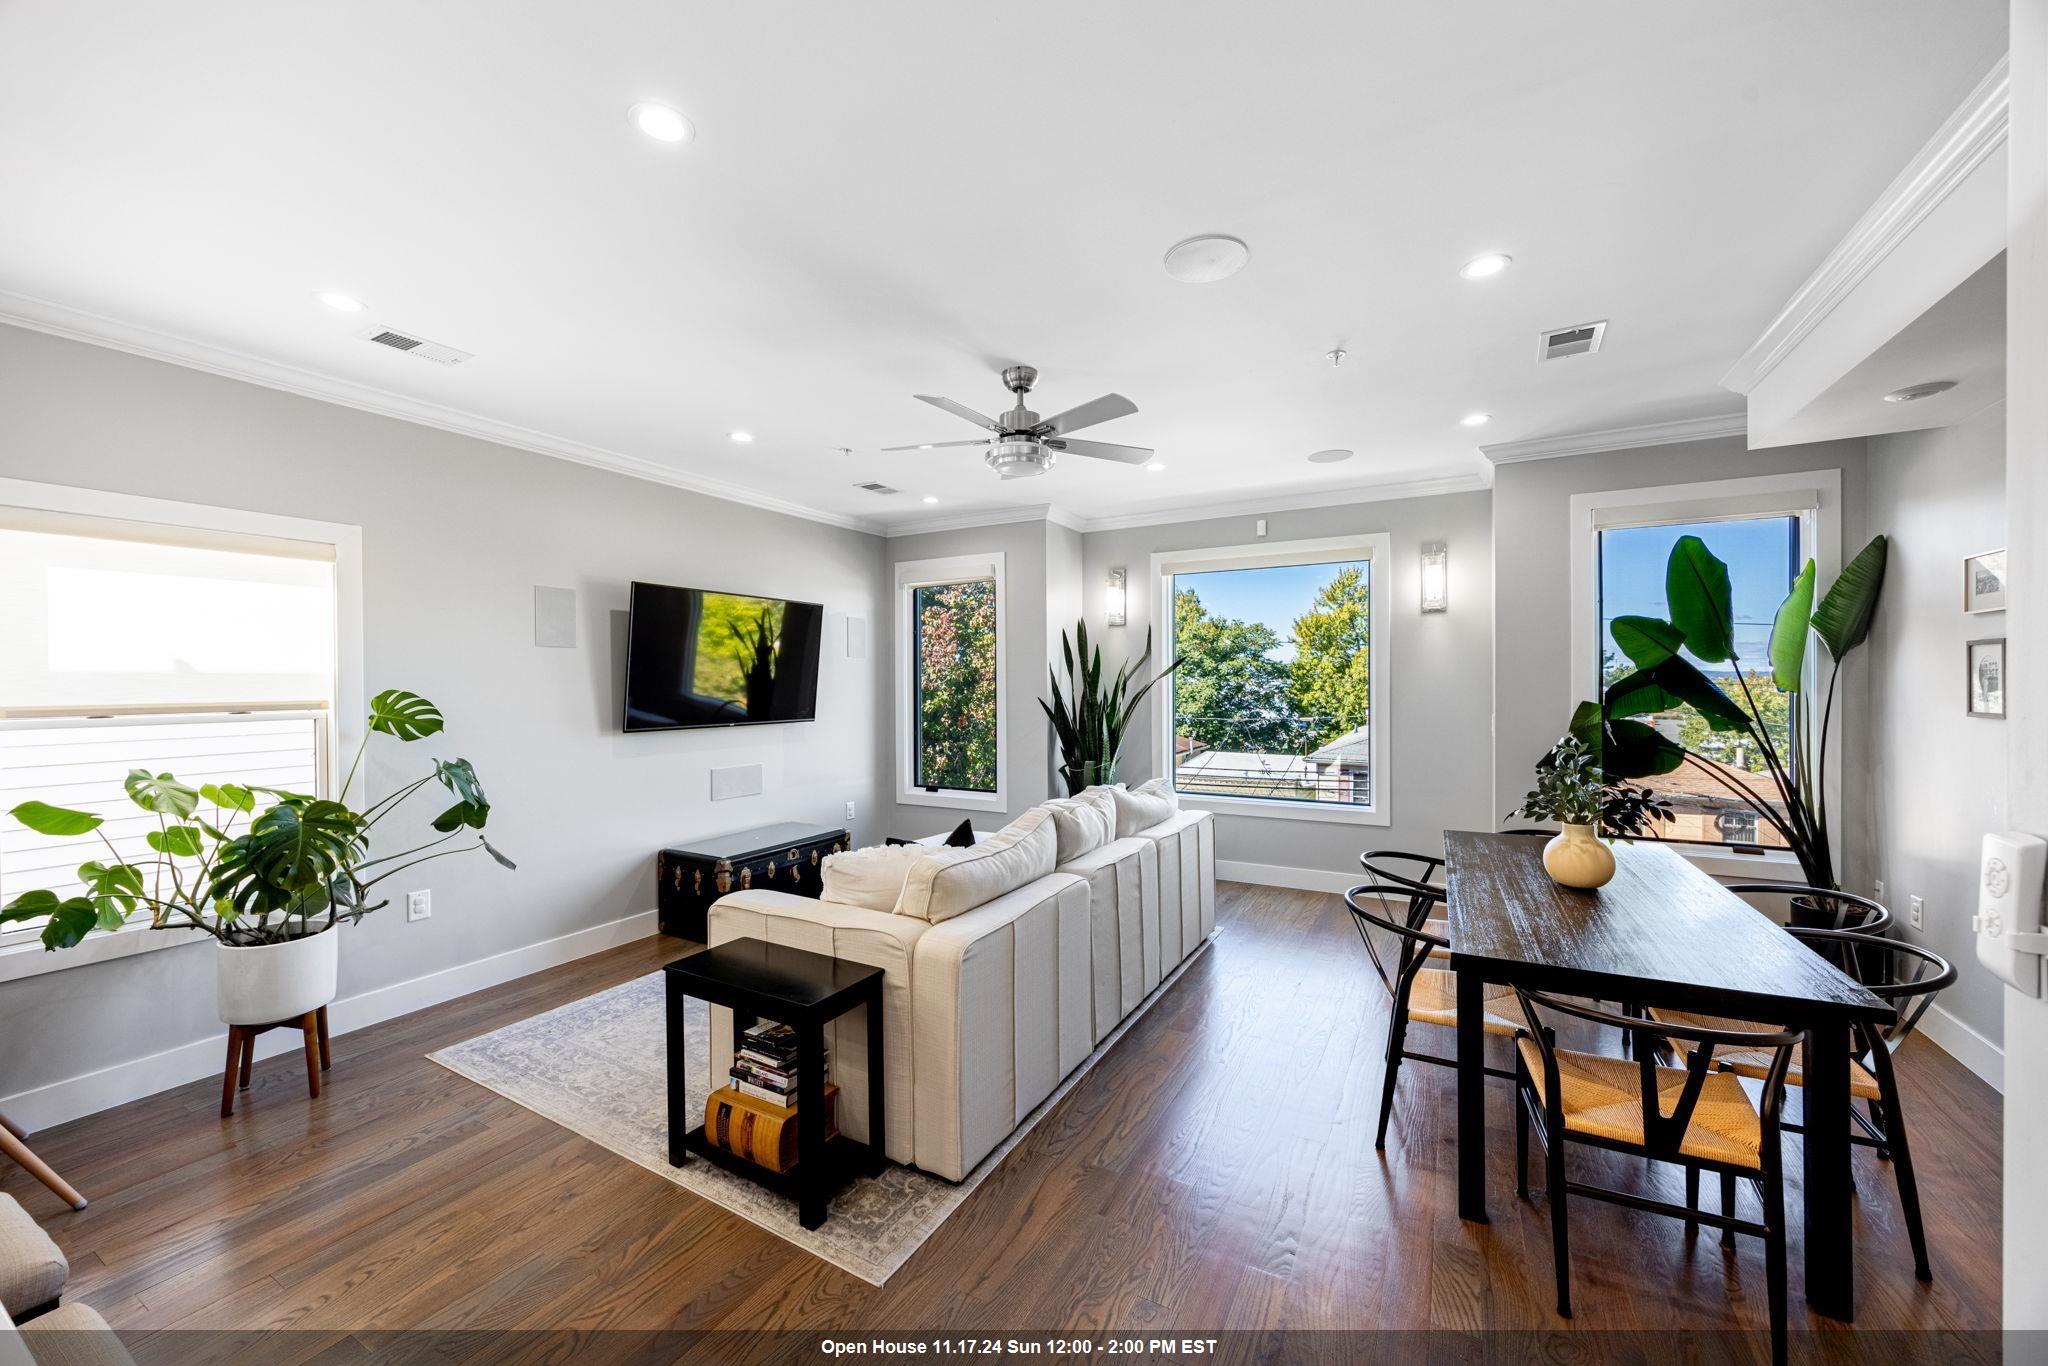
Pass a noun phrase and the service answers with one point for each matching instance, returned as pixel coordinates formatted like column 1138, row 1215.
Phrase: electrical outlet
column 849, row 813
column 1877, row 888
column 419, row 905
column 1916, row 913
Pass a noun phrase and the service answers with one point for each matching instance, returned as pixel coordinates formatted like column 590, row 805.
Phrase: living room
column 668, row 563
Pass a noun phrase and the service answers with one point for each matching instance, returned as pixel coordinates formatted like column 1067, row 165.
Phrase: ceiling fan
column 1023, row 445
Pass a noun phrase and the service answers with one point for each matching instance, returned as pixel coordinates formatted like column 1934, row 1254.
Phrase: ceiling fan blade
column 1103, row 450
column 961, row 410
column 1087, row 415
column 935, row 445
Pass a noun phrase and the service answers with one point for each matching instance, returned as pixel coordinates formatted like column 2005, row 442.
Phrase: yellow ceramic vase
column 1578, row 858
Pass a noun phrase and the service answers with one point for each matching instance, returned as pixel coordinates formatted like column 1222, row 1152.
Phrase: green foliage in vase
column 298, row 865
column 1571, row 790
column 1090, row 716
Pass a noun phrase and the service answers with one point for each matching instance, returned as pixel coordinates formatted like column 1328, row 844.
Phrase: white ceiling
column 884, row 200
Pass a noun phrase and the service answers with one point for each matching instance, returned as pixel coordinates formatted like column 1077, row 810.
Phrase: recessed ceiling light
column 662, row 123
column 1206, row 259
column 926, row 446
column 340, row 303
column 1913, row 393
column 1475, row 419
column 742, row 437
column 1485, row 267
column 1155, row 466
column 1328, row 457
column 929, row 499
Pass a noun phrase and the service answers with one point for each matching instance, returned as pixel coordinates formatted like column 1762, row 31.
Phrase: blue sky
column 1272, row 596
column 1757, row 551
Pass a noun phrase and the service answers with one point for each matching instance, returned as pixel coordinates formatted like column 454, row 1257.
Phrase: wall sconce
column 1436, row 577
column 1116, row 598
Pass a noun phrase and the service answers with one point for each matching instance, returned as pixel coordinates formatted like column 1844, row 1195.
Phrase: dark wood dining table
column 1662, row 933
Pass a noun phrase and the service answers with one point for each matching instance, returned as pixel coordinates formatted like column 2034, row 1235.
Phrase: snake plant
column 1090, row 719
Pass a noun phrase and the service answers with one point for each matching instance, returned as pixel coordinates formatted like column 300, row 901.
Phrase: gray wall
column 1532, row 540
column 1937, row 775
column 1438, row 692
column 456, row 534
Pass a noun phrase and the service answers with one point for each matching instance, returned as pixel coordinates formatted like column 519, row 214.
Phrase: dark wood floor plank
column 1215, row 1169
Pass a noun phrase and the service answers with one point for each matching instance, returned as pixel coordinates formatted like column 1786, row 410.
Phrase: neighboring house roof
column 1688, row 781
column 1353, row 746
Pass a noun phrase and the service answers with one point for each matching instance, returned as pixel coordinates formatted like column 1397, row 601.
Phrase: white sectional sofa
column 990, row 1007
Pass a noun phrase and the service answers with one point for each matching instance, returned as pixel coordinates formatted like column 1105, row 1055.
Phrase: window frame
column 1376, row 548
column 1814, row 497
column 21, row 952
column 912, row 575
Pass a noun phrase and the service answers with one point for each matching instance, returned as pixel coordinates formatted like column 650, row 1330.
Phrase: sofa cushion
column 944, row 883
column 1142, row 807
column 1083, row 823
column 870, row 878
column 32, row 1268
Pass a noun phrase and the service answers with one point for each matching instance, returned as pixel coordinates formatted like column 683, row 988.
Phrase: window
column 140, row 636
column 1764, row 529
column 950, row 681
column 1711, row 793
column 1275, row 706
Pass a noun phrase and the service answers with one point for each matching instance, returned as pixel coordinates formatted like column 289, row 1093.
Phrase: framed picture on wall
column 1987, row 677
column 1984, row 582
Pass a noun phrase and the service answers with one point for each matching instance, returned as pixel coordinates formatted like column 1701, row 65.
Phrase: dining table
column 1660, row 933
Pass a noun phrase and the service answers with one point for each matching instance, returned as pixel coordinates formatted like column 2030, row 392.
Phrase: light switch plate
column 419, row 905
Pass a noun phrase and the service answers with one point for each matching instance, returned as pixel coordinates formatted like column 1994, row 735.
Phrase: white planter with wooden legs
column 262, row 987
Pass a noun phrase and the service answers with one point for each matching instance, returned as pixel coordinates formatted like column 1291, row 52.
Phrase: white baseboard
column 1280, row 875
column 91, row 1092
column 1965, row 1045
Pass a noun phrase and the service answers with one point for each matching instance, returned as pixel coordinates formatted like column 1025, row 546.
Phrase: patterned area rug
column 598, row 1067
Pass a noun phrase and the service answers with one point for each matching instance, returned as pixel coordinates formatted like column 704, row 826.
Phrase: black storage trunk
column 780, row 858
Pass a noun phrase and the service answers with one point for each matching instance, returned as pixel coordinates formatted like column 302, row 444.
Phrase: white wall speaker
column 554, row 617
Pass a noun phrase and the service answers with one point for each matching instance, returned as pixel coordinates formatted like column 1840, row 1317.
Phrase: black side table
column 805, row 991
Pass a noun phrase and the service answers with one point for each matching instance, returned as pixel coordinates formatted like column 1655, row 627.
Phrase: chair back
column 1416, row 872
column 1532, row 832
column 1663, row 1133
column 1820, row 906
column 1398, row 911
column 1904, row 976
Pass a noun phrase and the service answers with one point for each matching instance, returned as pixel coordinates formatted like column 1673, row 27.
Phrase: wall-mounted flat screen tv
column 700, row 658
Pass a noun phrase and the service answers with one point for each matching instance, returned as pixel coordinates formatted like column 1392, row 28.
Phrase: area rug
column 598, row 1067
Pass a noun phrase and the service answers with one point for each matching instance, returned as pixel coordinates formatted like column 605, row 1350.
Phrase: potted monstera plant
column 268, row 874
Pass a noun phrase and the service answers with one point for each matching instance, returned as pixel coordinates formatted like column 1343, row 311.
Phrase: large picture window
column 951, row 681
column 160, row 636
column 1274, row 703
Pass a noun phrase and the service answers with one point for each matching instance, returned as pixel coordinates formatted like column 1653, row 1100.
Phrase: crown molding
column 62, row 320
column 971, row 518
column 1972, row 133
column 1257, row 504
column 1617, row 439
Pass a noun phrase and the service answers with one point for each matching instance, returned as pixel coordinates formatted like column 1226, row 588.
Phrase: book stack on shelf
column 753, row 1116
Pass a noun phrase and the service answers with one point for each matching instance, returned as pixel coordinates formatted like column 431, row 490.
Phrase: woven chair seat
column 1756, row 1062
column 1603, row 1098
column 1434, row 1000
column 1442, row 930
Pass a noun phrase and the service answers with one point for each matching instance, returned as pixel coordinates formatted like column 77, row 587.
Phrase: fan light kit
column 1485, row 267
column 1205, row 260
column 662, row 123
column 340, row 303
column 1913, row 393
column 1023, row 445
column 1328, row 457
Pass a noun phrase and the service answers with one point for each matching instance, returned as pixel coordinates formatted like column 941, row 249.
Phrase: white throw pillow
column 944, row 883
column 1143, row 807
column 1083, row 823
column 872, row 878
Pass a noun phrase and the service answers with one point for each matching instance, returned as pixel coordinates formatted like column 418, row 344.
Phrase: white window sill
column 30, row 959
column 954, row 799
column 1329, row 813
column 1773, row 865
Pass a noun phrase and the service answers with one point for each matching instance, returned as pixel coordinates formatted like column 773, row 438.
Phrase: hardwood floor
column 1214, row 1171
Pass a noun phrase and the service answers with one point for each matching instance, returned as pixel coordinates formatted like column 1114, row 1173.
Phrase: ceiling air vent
column 416, row 346
column 882, row 489
column 1580, row 339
